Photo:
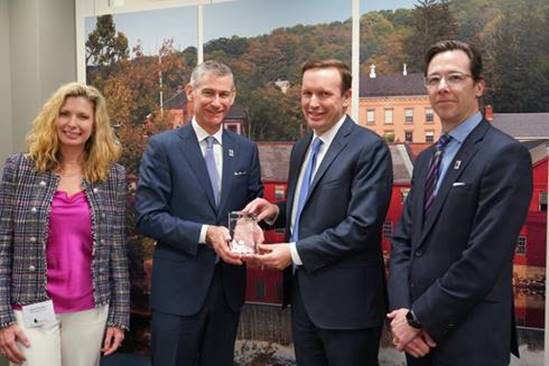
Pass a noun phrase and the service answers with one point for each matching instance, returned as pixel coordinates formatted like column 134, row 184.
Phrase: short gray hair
column 216, row 68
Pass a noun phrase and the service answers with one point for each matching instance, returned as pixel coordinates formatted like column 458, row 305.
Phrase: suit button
column 32, row 239
column 32, row 268
column 34, row 210
column 42, row 183
column 102, row 241
column 419, row 253
column 412, row 285
column 95, row 190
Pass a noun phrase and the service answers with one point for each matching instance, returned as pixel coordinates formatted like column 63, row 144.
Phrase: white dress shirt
column 202, row 135
column 327, row 138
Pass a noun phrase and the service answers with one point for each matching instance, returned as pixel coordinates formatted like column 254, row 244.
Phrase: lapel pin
column 457, row 164
column 231, row 153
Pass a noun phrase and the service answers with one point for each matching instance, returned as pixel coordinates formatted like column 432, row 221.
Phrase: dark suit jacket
column 342, row 281
column 174, row 199
column 454, row 267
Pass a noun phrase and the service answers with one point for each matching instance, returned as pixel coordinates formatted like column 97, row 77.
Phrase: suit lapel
column 464, row 155
column 230, row 154
column 193, row 154
column 297, row 160
column 337, row 145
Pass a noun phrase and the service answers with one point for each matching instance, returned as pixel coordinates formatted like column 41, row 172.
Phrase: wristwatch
column 412, row 320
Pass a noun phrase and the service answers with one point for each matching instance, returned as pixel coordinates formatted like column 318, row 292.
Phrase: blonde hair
column 102, row 148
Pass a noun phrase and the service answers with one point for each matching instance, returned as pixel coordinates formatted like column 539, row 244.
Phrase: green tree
column 432, row 22
column 106, row 46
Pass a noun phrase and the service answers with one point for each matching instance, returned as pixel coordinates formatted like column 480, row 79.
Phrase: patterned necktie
column 305, row 185
column 433, row 172
column 209, row 157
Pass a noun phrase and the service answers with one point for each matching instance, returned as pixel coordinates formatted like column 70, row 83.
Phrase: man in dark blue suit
column 450, row 283
column 338, row 194
column 190, row 179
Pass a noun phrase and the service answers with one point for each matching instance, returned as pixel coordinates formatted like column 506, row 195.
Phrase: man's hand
column 218, row 238
column 261, row 209
column 274, row 255
column 113, row 339
column 8, row 347
column 402, row 332
column 420, row 346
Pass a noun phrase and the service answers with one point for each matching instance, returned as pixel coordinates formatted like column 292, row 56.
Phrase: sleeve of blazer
column 7, row 202
column 401, row 247
column 370, row 195
column 255, row 187
column 119, row 307
column 504, row 196
column 154, row 218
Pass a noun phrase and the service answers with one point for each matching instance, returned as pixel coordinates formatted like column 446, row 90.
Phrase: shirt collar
column 463, row 130
column 328, row 136
column 202, row 134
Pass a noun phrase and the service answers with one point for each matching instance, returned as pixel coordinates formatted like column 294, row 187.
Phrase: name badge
column 36, row 315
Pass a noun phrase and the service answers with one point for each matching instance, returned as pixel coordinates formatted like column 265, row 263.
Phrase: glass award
column 245, row 233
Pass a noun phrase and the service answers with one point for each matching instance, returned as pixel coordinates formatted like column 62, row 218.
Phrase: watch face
column 412, row 321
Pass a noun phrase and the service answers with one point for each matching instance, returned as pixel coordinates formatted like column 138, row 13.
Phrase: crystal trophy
column 245, row 233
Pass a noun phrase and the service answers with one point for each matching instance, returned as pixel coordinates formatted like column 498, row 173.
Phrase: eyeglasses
column 452, row 79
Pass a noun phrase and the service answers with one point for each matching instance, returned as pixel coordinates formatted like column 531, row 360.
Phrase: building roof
column 523, row 126
column 402, row 164
column 176, row 101
column 539, row 149
column 414, row 149
column 275, row 157
column 392, row 85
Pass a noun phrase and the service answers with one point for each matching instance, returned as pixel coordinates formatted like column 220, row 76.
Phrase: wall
column 38, row 48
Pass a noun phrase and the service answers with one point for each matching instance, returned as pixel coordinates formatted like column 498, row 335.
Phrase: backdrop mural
column 142, row 60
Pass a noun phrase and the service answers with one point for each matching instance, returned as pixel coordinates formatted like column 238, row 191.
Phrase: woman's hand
column 8, row 347
column 113, row 339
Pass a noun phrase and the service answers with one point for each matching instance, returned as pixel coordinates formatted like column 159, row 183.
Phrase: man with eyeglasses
column 190, row 179
column 450, row 282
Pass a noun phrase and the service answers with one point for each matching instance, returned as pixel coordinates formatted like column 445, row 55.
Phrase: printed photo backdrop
column 142, row 60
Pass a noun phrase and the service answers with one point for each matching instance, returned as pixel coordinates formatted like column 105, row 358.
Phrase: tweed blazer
column 25, row 202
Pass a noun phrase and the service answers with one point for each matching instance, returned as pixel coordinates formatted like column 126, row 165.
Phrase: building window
column 387, row 230
column 389, row 116
column 280, row 192
column 521, row 245
column 429, row 137
column 370, row 116
column 408, row 136
column 543, row 201
column 429, row 116
column 233, row 127
column 260, row 290
column 409, row 115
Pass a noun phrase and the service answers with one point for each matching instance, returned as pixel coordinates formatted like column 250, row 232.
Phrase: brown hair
column 451, row 45
column 344, row 71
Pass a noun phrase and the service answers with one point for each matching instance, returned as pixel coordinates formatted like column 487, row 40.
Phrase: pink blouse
column 69, row 253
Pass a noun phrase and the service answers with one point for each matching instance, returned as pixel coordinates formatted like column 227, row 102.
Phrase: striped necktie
column 433, row 172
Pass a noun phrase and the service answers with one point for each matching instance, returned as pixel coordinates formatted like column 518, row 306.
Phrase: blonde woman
column 64, row 286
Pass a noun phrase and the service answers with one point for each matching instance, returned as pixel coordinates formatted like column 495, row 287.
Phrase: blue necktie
column 433, row 172
column 210, row 165
column 305, row 185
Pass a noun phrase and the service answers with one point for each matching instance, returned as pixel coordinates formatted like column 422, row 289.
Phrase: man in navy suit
column 338, row 194
column 190, row 179
column 450, row 283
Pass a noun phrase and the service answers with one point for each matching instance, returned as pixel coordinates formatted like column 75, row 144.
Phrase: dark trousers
column 329, row 347
column 204, row 339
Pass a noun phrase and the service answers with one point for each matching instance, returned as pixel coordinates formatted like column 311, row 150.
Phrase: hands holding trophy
column 245, row 233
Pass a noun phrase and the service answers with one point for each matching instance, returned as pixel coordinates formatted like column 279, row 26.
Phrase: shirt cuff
column 202, row 237
column 295, row 255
